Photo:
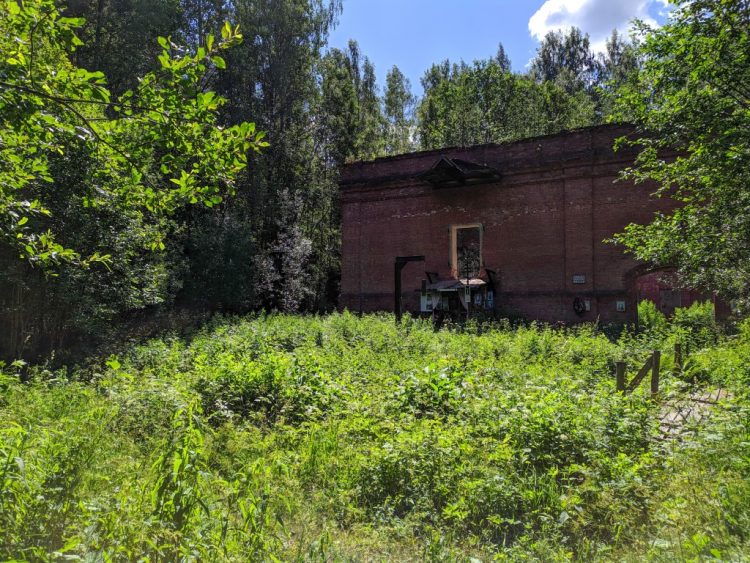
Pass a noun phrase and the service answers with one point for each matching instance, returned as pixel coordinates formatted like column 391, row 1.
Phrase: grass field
column 351, row 439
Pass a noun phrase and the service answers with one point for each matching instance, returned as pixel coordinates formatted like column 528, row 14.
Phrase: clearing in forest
column 346, row 438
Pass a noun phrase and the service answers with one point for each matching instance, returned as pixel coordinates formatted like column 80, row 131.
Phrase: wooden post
column 642, row 373
column 677, row 357
column 620, row 373
column 655, row 372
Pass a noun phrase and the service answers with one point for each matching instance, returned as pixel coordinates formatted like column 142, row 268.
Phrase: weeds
column 346, row 438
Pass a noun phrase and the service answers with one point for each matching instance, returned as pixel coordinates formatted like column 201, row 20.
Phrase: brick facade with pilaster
column 544, row 221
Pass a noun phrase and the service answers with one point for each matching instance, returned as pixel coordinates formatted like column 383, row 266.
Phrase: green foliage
column 398, row 108
column 567, row 87
column 691, row 106
column 353, row 120
column 280, row 437
column 434, row 391
column 617, row 66
column 565, row 58
column 694, row 328
column 113, row 179
column 139, row 136
column 276, row 243
column 154, row 148
column 120, row 37
column 697, row 325
column 650, row 318
column 483, row 103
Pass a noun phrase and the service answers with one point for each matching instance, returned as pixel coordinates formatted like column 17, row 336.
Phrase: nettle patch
column 355, row 438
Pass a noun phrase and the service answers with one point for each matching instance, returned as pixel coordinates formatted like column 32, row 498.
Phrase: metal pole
column 401, row 261
column 397, row 292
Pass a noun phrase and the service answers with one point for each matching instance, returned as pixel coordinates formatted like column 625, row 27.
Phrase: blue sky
column 413, row 34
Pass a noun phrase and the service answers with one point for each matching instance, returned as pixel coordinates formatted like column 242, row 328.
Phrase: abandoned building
column 516, row 229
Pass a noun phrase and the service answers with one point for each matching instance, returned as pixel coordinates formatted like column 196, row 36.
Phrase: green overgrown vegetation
column 273, row 437
column 346, row 438
column 116, row 116
column 690, row 99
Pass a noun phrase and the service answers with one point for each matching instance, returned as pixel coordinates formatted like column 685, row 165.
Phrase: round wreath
column 579, row 306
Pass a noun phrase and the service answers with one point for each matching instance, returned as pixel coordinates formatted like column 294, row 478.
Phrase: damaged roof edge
column 392, row 168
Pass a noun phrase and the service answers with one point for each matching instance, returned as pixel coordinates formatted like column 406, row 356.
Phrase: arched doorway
column 662, row 287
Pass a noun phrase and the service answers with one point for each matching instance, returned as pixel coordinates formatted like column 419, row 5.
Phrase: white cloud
column 596, row 17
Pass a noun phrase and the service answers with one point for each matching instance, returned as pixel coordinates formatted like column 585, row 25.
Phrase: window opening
column 466, row 251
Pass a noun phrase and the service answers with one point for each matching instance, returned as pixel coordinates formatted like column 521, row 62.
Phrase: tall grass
column 347, row 438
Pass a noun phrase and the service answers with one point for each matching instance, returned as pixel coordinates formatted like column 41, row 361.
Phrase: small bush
column 650, row 319
column 432, row 391
column 696, row 325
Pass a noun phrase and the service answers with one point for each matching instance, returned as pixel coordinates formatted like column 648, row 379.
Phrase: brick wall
column 544, row 221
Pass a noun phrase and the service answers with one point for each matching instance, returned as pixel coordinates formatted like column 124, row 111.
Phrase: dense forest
column 273, row 243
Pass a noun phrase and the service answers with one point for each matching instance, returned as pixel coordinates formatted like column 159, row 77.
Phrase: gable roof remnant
column 451, row 172
column 508, row 159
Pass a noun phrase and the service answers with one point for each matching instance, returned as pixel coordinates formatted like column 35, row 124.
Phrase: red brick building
column 516, row 229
